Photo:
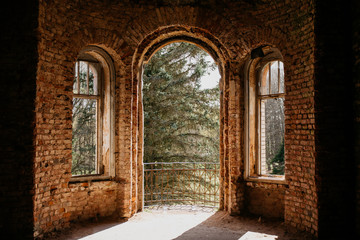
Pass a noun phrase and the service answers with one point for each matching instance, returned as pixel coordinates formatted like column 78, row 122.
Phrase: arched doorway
column 181, row 127
column 145, row 50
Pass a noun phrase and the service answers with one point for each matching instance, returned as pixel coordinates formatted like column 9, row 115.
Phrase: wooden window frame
column 105, row 166
column 253, row 73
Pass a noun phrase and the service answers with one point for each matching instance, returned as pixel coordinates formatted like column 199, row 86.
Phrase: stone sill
column 89, row 178
column 267, row 179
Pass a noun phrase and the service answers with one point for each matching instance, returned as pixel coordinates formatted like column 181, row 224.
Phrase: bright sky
column 211, row 80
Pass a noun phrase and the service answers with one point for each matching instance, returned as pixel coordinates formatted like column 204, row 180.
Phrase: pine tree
column 278, row 163
column 181, row 120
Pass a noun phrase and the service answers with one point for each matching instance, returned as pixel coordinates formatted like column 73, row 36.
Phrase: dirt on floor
column 180, row 223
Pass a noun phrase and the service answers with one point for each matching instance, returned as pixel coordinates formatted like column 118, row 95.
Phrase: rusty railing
column 181, row 183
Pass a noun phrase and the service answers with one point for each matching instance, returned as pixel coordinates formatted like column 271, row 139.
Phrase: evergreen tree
column 278, row 163
column 181, row 120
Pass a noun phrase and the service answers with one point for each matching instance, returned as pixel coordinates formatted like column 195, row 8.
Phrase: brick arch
column 109, row 41
column 165, row 35
column 148, row 46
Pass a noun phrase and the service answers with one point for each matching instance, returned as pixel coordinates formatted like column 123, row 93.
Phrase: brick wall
column 265, row 199
column 18, row 62
column 63, row 34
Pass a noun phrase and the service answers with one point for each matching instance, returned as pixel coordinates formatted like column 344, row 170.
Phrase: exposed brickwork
column 130, row 31
column 56, row 201
column 265, row 199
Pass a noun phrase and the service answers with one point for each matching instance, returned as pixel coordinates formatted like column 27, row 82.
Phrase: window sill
column 87, row 178
column 267, row 179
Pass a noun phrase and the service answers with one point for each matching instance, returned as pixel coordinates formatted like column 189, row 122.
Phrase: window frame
column 105, row 164
column 254, row 68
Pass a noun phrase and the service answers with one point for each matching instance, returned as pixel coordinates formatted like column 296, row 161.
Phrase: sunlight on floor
column 180, row 223
column 152, row 225
column 255, row 235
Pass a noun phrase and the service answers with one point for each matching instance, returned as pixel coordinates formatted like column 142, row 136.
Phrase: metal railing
column 181, row 183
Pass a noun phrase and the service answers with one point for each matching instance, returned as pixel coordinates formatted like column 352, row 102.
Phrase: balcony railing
column 181, row 183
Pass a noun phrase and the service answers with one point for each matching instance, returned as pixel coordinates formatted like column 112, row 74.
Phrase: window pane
column 264, row 81
column 83, row 77
column 93, row 79
column 84, row 136
column 274, row 78
column 271, row 139
column 75, row 85
column 282, row 79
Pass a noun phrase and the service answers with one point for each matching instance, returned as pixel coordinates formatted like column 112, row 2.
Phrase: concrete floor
column 180, row 224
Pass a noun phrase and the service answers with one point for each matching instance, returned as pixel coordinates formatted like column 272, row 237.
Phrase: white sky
column 211, row 80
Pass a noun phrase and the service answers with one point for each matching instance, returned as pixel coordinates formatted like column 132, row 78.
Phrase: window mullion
column 100, row 112
column 278, row 62
column 87, row 78
column 84, row 96
column 272, row 96
column 258, row 135
column 269, row 82
column 98, row 136
column 78, row 77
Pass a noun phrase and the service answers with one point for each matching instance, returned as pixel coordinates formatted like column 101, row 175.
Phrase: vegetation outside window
column 85, row 129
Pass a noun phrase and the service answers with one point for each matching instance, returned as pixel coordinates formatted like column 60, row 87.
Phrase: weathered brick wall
column 335, row 164
column 63, row 33
column 300, row 199
column 120, row 27
column 288, row 26
column 265, row 199
column 18, row 62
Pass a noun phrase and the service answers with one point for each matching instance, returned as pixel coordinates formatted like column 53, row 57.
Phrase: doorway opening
column 181, row 108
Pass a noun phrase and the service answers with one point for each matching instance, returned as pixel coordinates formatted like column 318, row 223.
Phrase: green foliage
column 181, row 120
column 84, row 130
column 278, row 163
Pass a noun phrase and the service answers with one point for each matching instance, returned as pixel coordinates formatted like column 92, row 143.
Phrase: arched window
column 265, row 118
column 92, row 131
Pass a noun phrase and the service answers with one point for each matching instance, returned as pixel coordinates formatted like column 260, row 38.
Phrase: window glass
column 85, row 119
column 274, row 77
column 264, row 81
column 93, row 88
column 75, row 84
column 84, row 136
column 282, row 82
column 272, row 136
column 83, row 75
